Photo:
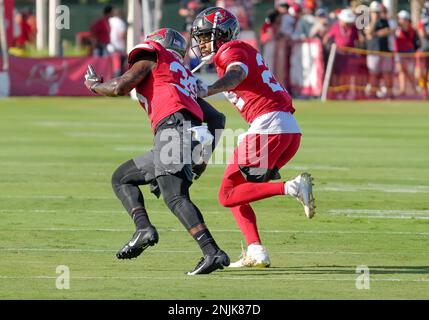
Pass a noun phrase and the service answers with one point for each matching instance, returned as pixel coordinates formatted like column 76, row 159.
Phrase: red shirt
column 405, row 40
column 259, row 93
column 344, row 36
column 170, row 86
column 101, row 30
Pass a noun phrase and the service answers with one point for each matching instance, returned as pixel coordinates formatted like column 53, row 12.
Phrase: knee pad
column 257, row 174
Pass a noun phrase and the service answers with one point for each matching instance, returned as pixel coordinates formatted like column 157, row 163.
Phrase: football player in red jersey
column 272, row 139
column 167, row 90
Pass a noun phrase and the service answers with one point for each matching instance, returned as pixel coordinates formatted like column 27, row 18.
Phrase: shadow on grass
column 423, row 270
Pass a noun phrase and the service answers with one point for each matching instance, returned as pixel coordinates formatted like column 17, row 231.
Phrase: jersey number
column 267, row 76
column 188, row 84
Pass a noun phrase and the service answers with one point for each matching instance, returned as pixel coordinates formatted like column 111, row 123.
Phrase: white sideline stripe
column 240, row 278
column 232, row 231
column 387, row 188
column 380, row 211
column 381, row 214
column 87, row 123
column 53, row 197
column 101, row 135
column 383, row 217
column 59, row 164
column 317, row 167
column 139, row 148
column 196, row 252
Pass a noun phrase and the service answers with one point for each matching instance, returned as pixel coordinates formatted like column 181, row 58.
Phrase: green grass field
column 371, row 165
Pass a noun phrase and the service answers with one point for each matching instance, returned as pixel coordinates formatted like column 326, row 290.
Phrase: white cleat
column 256, row 256
column 301, row 188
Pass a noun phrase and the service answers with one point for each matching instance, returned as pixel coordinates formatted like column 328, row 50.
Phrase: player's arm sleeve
column 215, row 120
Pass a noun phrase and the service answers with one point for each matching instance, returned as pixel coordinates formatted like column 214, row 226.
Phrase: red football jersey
column 259, row 93
column 170, row 86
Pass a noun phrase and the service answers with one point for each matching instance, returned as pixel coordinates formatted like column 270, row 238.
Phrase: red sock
column 246, row 221
column 231, row 196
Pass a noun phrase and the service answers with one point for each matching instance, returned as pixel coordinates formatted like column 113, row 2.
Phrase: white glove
column 202, row 135
column 202, row 88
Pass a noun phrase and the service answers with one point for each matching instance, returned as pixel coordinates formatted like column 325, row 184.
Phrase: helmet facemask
column 203, row 37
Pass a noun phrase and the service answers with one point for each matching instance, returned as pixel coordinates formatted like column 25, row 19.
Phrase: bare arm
column 144, row 62
column 230, row 80
column 122, row 85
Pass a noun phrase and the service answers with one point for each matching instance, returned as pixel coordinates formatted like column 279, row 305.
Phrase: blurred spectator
column 242, row 9
column 267, row 34
column 392, row 25
column 305, row 21
column 380, row 65
column 118, row 34
column 23, row 32
column 100, row 32
column 189, row 9
column 423, row 54
column 287, row 21
column 344, row 34
column 405, row 42
column 321, row 24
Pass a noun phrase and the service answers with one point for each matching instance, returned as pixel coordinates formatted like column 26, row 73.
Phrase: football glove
column 91, row 78
column 202, row 88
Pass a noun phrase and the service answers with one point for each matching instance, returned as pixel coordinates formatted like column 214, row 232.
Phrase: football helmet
column 170, row 39
column 215, row 25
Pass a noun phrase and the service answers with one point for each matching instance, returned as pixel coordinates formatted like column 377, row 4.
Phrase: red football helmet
column 170, row 39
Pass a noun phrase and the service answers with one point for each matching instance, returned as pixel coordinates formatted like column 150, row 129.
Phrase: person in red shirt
column 405, row 42
column 272, row 139
column 100, row 32
column 24, row 37
column 167, row 91
column 344, row 34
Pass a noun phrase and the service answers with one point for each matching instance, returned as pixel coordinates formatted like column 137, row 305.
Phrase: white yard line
column 218, row 276
column 381, row 214
column 387, row 188
column 63, row 124
column 317, row 167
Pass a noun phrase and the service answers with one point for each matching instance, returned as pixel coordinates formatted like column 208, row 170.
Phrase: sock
column 206, row 242
column 245, row 193
column 140, row 218
column 290, row 188
column 246, row 221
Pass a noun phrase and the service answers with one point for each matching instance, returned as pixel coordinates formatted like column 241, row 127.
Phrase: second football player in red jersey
column 272, row 139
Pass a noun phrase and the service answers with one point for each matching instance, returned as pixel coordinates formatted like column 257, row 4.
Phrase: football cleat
column 256, row 256
column 210, row 263
column 140, row 240
column 301, row 188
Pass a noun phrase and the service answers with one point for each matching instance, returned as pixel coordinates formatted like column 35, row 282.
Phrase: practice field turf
column 371, row 165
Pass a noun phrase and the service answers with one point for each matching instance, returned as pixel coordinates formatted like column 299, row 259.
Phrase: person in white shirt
column 118, row 32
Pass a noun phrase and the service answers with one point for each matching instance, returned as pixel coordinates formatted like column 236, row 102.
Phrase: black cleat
column 140, row 240
column 210, row 263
